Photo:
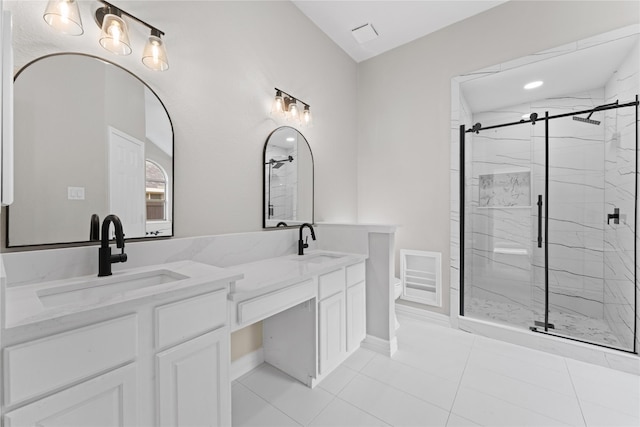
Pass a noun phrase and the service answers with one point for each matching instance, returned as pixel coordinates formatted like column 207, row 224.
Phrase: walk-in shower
column 549, row 215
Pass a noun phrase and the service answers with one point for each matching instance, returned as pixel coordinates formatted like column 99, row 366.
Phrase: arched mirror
column 90, row 138
column 288, row 179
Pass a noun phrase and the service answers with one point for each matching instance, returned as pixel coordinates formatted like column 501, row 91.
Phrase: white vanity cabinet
column 164, row 362
column 341, row 315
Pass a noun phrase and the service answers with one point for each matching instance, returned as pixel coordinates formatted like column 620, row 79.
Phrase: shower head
column 587, row 120
column 277, row 165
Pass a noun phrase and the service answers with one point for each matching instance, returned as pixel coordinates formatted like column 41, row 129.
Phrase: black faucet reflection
column 303, row 244
column 105, row 259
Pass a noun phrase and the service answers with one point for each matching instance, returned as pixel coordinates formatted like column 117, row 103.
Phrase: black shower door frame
column 545, row 243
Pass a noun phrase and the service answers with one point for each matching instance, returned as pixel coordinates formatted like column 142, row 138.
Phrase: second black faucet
column 302, row 244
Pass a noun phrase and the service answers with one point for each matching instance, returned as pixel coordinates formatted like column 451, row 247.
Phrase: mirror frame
column 6, row 222
column 264, row 181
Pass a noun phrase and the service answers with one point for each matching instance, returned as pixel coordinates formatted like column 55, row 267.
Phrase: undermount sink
column 318, row 258
column 105, row 287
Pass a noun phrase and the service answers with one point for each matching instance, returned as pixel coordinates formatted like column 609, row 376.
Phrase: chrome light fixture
column 64, row 16
column 286, row 106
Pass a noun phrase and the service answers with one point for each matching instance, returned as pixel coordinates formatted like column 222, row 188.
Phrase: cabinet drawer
column 107, row 400
column 188, row 318
column 43, row 365
column 264, row 306
column 330, row 284
column 355, row 273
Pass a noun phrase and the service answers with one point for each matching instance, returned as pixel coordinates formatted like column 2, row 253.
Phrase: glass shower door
column 591, row 228
column 500, row 219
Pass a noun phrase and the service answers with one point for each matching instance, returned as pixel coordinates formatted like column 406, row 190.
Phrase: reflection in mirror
column 288, row 179
column 90, row 138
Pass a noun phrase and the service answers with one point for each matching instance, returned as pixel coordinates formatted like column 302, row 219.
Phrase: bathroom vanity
column 149, row 346
column 313, row 309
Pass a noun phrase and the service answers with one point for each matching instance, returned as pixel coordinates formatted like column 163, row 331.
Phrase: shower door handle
column 539, row 220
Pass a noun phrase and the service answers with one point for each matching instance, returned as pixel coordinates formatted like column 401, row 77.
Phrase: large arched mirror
column 288, row 179
column 90, row 138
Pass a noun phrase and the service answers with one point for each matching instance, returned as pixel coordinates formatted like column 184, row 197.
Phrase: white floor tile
column 521, row 369
column 249, row 409
column 458, row 421
column 521, row 354
column 448, row 366
column 606, row 387
column 359, row 359
column 488, row 410
column 391, row 405
column 341, row 414
column 338, row 379
column 290, row 396
column 536, row 399
column 420, row 384
column 600, row 416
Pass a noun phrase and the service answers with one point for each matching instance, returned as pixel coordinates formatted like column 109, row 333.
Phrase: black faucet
column 303, row 244
column 105, row 259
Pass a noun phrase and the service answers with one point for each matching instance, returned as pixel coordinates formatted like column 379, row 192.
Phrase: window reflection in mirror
column 288, row 179
column 85, row 132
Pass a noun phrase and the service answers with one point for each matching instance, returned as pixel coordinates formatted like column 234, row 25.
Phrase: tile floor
column 443, row 377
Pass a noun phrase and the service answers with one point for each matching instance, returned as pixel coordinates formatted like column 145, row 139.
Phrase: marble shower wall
column 620, row 180
column 283, row 184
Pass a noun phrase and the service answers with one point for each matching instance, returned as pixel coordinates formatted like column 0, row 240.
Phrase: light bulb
column 294, row 112
column 306, row 116
column 64, row 16
column 115, row 37
column 155, row 55
column 277, row 108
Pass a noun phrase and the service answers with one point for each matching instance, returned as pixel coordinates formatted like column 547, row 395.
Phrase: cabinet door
column 107, row 400
column 356, row 315
column 193, row 382
column 331, row 332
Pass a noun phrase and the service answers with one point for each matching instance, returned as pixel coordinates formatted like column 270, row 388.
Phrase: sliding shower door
column 591, row 227
column 500, row 221
column 548, row 221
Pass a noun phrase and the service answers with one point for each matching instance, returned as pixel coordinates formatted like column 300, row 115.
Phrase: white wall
column 225, row 59
column 404, row 107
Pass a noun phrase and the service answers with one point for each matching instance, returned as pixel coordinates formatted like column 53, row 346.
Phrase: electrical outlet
column 75, row 193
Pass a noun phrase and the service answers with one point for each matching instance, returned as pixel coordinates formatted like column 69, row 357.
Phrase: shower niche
column 549, row 182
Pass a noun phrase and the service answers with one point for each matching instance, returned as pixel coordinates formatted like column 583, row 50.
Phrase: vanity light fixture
column 286, row 106
column 533, row 85
column 115, row 37
column 64, row 16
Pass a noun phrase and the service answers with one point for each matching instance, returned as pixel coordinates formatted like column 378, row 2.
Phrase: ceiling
column 570, row 73
column 396, row 21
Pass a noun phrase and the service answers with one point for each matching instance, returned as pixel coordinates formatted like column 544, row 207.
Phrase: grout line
column 267, row 402
column 362, row 410
column 575, row 391
column 466, row 363
column 334, row 397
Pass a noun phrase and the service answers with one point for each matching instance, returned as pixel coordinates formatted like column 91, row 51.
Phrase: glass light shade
column 64, row 16
column 293, row 113
column 277, row 108
column 155, row 55
column 306, row 116
column 115, row 36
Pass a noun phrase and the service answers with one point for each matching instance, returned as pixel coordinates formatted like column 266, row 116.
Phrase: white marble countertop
column 24, row 303
column 262, row 277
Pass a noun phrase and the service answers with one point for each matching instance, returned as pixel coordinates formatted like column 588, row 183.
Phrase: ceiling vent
column 364, row 33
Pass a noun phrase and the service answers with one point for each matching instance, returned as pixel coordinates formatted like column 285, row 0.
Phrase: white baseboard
column 419, row 314
column 386, row 347
column 246, row 363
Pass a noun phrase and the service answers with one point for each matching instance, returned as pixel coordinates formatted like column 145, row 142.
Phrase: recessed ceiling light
column 533, row 85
